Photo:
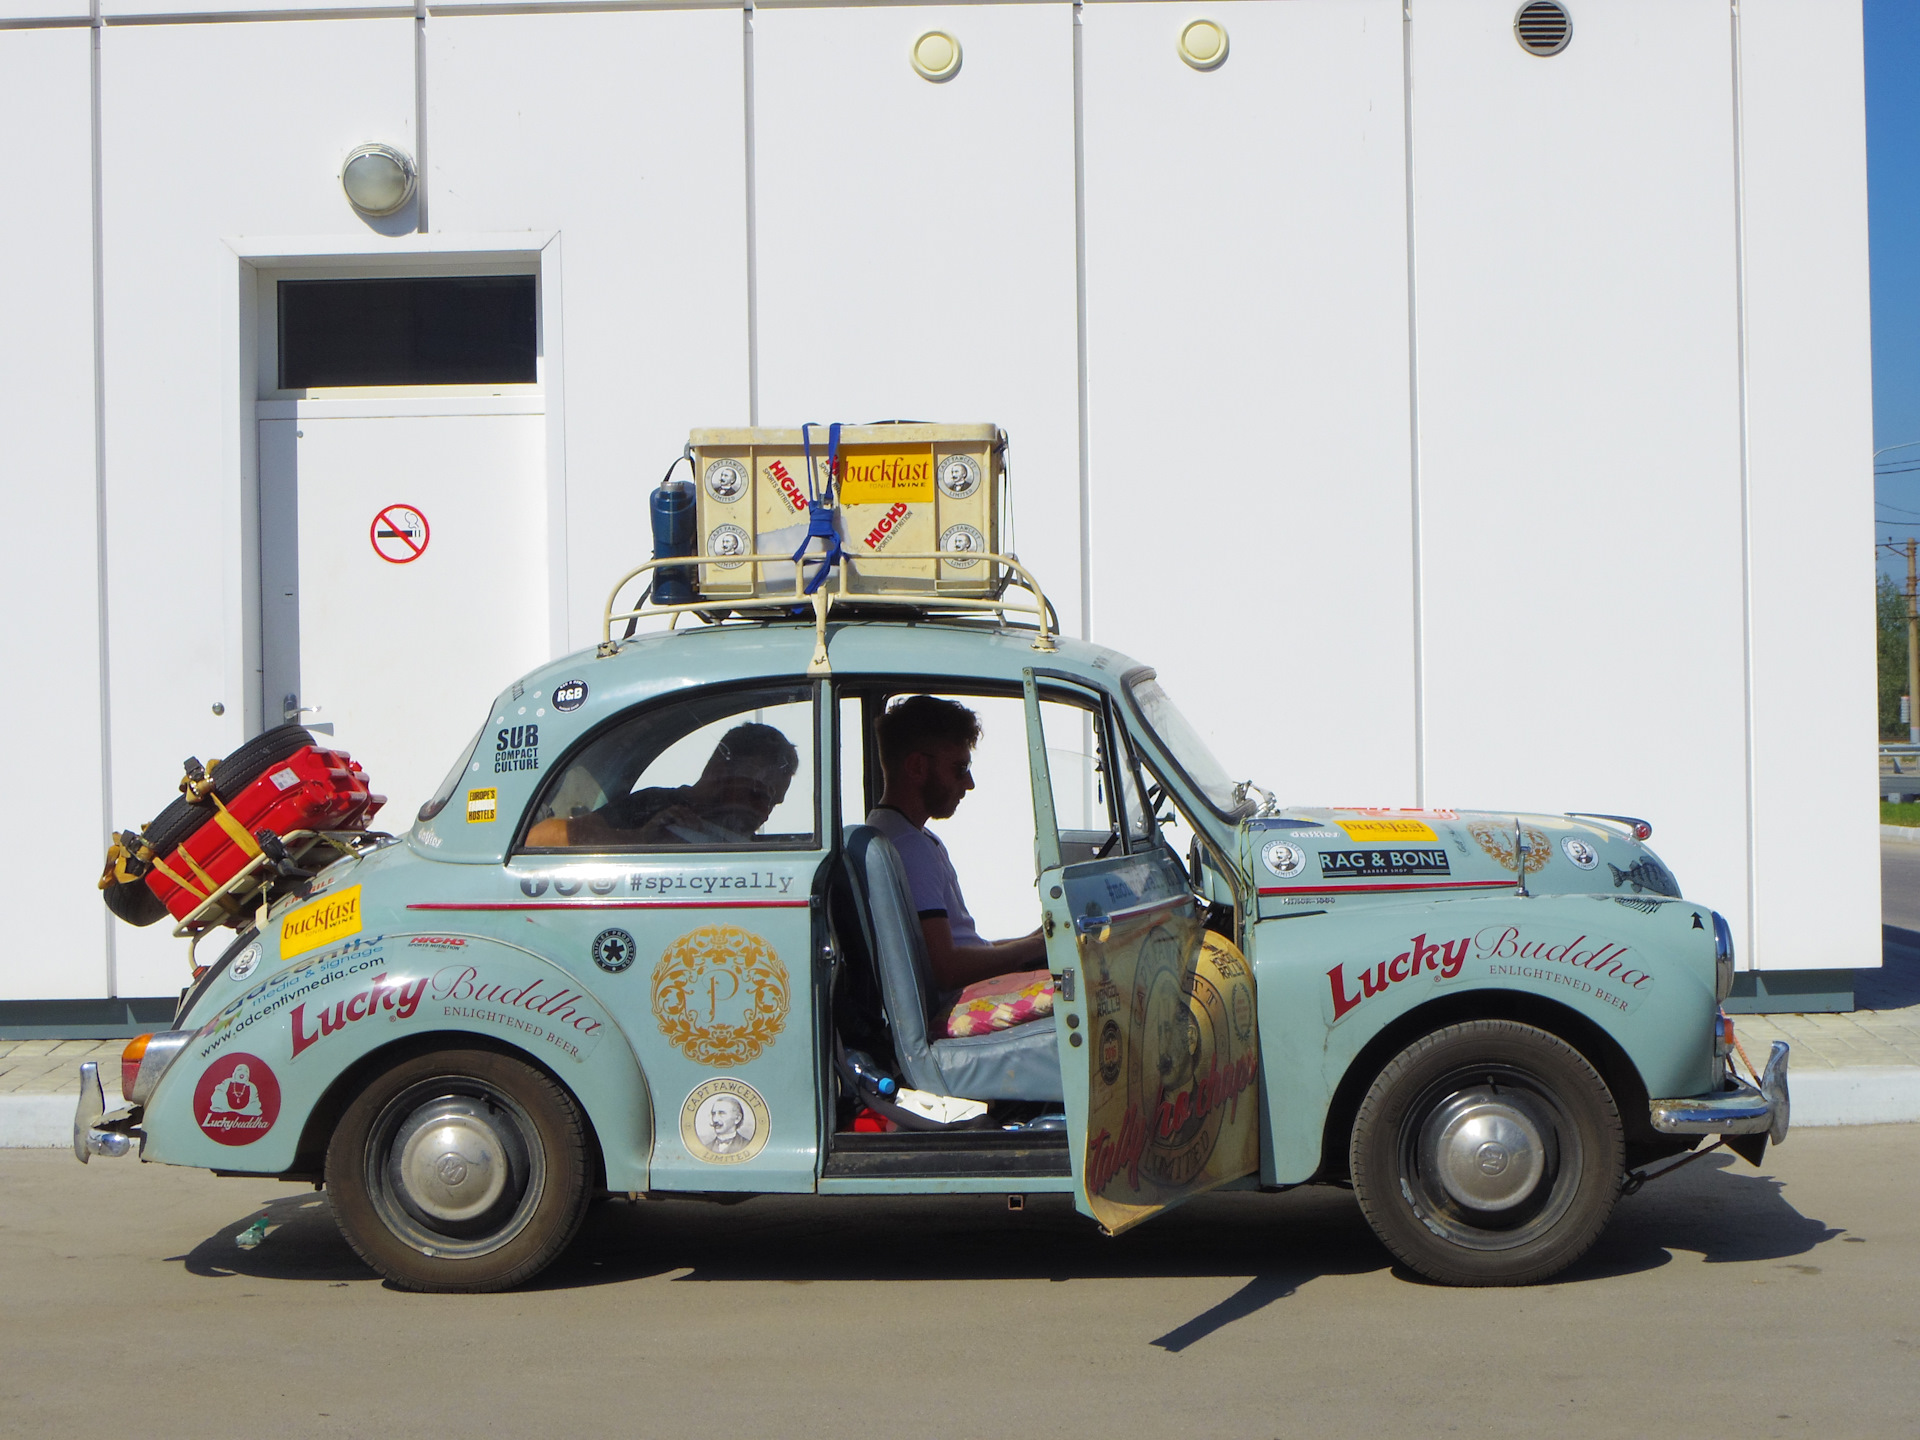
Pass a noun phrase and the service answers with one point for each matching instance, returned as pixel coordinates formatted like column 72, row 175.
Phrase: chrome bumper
column 1742, row 1110
column 93, row 1133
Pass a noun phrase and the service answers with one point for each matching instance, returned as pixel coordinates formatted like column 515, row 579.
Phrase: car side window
column 713, row 771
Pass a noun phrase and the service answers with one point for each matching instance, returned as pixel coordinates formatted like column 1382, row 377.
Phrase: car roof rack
column 835, row 592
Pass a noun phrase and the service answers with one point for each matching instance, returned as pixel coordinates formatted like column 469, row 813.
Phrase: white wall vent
column 1543, row 27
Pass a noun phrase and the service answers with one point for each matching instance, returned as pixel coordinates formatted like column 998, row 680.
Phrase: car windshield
column 1182, row 742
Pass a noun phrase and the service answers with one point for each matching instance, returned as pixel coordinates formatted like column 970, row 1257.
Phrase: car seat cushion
column 998, row 1004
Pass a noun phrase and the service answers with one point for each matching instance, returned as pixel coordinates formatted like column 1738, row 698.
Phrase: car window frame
column 808, row 689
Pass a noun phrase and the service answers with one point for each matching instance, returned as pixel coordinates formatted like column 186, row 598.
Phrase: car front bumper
column 1740, row 1110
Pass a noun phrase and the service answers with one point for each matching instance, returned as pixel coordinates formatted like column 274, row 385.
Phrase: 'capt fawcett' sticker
column 237, row 1099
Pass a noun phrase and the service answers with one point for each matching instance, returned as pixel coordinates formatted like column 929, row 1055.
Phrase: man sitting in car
column 744, row 780
column 926, row 761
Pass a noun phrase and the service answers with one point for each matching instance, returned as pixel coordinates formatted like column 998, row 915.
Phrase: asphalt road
column 1724, row 1301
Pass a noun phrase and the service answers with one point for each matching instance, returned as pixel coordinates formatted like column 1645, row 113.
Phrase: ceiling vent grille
column 1543, row 27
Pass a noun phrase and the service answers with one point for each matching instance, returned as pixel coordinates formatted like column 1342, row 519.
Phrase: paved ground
column 1724, row 1301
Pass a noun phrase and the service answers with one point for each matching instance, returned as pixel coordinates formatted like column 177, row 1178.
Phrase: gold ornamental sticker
column 1498, row 842
column 720, row 994
column 724, row 1122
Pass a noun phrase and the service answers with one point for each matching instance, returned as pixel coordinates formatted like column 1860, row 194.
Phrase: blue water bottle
column 864, row 1068
column 672, row 506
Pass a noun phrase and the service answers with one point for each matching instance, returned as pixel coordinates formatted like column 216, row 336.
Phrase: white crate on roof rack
column 902, row 489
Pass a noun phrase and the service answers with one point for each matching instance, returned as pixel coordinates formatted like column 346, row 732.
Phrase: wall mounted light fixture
column 936, row 56
column 378, row 179
column 1203, row 44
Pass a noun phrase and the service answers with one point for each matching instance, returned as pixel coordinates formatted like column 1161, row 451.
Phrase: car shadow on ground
column 1719, row 1208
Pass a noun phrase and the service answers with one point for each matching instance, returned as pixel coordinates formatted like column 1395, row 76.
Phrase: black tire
column 460, row 1170
column 1488, row 1153
column 135, row 902
column 232, row 775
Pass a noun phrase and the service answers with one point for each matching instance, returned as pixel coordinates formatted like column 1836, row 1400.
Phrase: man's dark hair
column 754, row 741
column 911, row 725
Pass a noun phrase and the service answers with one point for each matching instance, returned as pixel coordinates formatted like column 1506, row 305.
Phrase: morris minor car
column 596, row 965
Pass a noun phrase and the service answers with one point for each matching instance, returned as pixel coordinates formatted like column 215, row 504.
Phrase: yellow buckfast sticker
column 482, row 805
column 332, row 917
column 1384, row 831
column 880, row 475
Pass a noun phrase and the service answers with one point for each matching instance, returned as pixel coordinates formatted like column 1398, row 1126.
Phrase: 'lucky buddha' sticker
column 237, row 1099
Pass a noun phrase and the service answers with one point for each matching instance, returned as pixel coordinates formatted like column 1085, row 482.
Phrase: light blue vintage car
column 1487, row 1024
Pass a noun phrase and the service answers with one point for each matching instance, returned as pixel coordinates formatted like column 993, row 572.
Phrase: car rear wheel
column 1488, row 1153
column 461, row 1170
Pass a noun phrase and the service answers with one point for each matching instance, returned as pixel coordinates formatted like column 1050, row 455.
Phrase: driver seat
column 1020, row 1063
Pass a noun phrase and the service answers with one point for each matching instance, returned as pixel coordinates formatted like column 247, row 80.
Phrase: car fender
column 1328, row 983
column 301, row 1029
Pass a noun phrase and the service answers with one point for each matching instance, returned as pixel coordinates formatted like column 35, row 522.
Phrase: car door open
column 1159, row 1054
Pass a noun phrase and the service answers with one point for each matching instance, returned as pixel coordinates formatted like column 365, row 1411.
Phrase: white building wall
column 1493, row 532
column 1579, row 394
column 627, row 136
column 56, row 945
column 208, row 132
column 1809, row 429
column 915, row 241
column 1248, row 383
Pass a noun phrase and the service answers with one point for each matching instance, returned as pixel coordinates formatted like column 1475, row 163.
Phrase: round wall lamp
column 378, row 179
column 1203, row 44
column 936, row 56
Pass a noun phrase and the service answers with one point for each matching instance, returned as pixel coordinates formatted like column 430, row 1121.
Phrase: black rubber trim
column 981, row 1154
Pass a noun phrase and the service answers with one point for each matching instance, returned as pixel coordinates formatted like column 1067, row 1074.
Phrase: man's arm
column 954, row 967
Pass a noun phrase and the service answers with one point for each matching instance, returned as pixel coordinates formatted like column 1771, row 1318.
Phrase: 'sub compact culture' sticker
column 720, row 994
column 724, row 1122
column 237, row 1099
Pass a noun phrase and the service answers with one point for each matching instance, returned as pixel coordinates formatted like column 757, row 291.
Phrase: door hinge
column 1063, row 983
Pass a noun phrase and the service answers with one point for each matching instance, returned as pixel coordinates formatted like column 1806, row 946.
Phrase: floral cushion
column 1001, row 1003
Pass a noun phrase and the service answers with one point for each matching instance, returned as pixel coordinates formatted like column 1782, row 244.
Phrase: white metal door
column 398, row 634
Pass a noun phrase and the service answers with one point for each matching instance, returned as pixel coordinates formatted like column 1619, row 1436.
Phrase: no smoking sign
column 399, row 534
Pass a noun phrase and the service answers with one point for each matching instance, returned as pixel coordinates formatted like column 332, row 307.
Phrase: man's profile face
column 948, row 776
column 741, row 795
column 727, row 1119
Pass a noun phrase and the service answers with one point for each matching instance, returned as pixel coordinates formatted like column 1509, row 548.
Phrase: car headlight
column 1722, row 957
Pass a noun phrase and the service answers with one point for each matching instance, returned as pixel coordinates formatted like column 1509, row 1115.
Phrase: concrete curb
column 1879, row 1095
column 37, row 1120
column 1907, row 833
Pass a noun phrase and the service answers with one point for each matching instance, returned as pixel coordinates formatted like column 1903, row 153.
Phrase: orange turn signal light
column 130, row 1059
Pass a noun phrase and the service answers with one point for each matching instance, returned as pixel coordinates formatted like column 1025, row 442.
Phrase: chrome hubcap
column 455, row 1167
column 1487, row 1154
column 454, row 1164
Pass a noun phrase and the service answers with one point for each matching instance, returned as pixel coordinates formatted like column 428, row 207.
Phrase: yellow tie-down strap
column 236, row 832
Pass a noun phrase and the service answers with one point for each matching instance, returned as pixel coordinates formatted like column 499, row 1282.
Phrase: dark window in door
column 427, row 330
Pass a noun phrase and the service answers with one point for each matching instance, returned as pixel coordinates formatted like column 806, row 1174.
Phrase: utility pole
column 1913, row 648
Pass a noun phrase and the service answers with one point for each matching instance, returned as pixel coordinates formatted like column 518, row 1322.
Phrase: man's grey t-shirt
column 930, row 874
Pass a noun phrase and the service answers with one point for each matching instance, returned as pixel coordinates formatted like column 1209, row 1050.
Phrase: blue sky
column 1893, row 217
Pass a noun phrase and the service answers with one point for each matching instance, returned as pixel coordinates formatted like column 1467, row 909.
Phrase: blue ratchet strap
column 820, row 511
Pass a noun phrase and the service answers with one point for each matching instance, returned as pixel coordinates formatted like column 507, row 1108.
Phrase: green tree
column 1893, row 659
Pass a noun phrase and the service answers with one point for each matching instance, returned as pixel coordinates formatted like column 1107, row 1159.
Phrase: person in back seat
column 926, row 759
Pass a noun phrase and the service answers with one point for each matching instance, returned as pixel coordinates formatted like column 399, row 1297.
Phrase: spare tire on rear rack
column 230, row 813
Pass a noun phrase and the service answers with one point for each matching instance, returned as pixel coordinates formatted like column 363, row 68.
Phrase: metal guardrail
column 1900, row 772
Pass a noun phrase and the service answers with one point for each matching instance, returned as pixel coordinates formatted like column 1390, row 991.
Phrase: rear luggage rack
column 836, row 593
column 250, row 888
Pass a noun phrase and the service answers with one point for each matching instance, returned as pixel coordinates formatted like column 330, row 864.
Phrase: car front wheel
column 460, row 1170
column 1488, row 1153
